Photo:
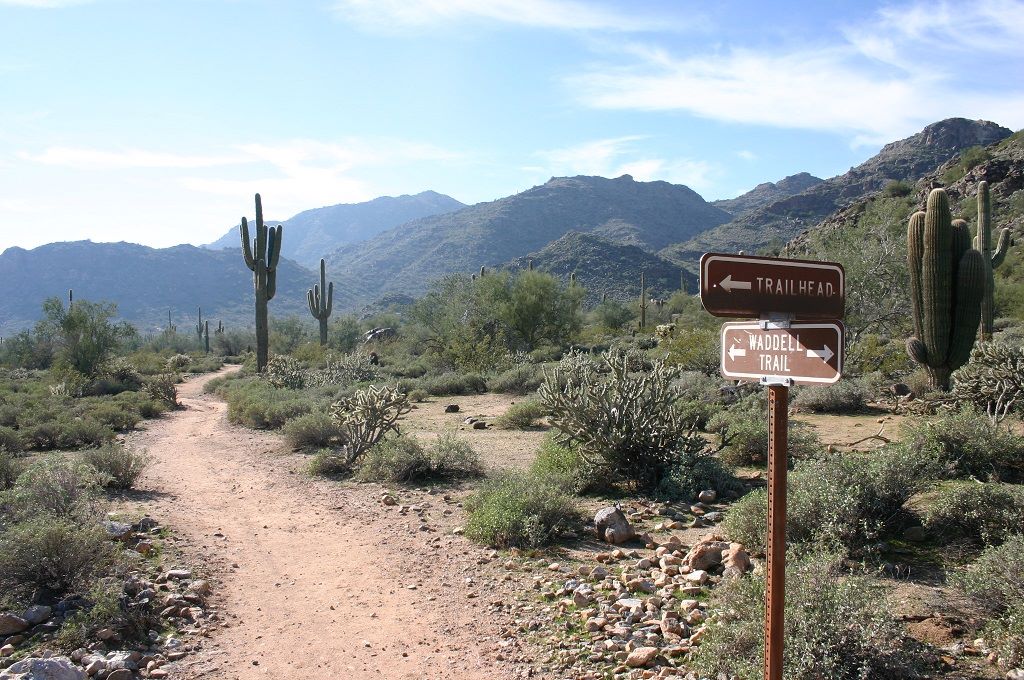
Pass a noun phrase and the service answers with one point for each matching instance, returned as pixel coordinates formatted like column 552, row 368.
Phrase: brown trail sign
column 803, row 353
column 747, row 286
column 777, row 351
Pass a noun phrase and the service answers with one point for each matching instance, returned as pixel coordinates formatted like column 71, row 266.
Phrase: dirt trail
column 316, row 579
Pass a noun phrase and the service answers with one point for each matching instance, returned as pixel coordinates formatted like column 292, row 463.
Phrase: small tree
column 84, row 335
column 539, row 309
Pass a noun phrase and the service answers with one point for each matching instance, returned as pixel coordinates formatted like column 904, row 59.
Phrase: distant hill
column 767, row 193
column 775, row 223
column 604, row 266
column 312, row 234
column 145, row 283
column 647, row 215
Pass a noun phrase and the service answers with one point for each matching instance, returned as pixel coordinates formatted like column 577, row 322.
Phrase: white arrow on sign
column 825, row 353
column 735, row 351
column 729, row 285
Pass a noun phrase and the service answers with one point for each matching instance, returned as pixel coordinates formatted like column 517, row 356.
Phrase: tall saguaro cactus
column 320, row 298
column 199, row 326
column 261, row 256
column 643, row 302
column 946, row 289
column 206, row 336
column 991, row 259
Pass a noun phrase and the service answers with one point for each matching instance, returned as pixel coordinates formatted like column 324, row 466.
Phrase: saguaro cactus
column 320, row 298
column 946, row 288
column 199, row 326
column 206, row 336
column 643, row 302
column 261, row 256
column 991, row 259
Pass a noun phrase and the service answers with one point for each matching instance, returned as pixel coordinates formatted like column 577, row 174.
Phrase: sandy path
column 314, row 577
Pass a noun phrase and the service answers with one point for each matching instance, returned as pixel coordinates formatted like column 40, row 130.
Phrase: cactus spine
column 643, row 302
column 991, row 259
column 946, row 289
column 320, row 298
column 261, row 256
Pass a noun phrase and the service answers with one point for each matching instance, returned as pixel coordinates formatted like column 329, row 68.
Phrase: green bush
column 66, row 433
column 51, row 553
column 316, row 429
column 694, row 349
column 119, row 417
column 979, row 513
column 685, row 480
column 700, row 398
column 521, row 416
column 846, row 396
column 119, row 465
column 10, row 440
column 970, row 445
column 403, row 459
column 842, row 503
column 522, row 379
column 56, row 486
column 448, row 384
column 327, row 462
column 563, row 465
column 996, row 582
column 519, row 510
column 10, row 469
column 836, row 626
column 163, row 388
column 743, row 432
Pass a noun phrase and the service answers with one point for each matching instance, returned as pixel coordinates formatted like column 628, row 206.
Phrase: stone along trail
column 316, row 580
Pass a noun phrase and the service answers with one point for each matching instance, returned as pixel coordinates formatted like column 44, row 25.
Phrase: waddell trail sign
column 796, row 339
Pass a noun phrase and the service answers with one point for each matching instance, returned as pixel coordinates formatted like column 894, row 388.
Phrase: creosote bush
column 403, row 459
column 118, row 465
column 996, row 581
column 846, row 396
column 978, row 513
column 836, row 626
column 312, row 430
column 522, row 510
column 522, row 379
column 521, row 416
column 970, row 445
column 562, row 465
column 743, row 432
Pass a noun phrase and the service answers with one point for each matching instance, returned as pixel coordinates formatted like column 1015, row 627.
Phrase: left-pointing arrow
column 729, row 285
column 825, row 353
column 735, row 351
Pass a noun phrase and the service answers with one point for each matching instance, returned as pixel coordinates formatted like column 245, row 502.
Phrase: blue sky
column 155, row 121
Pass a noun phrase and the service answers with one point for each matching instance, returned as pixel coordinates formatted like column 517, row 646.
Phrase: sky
column 155, row 121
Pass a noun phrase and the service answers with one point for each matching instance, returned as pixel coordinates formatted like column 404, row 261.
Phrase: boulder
column 736, row 560
column 54, row 668
column 11, row 624
column 37, row 614
column 641, row 656
column 707, row 554
column 451, row 408
column 612, row 526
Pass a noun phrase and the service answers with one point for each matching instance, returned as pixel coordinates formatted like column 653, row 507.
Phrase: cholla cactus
column 367, row 416
column 285, row 372
column 946, row 288
column 993, row 380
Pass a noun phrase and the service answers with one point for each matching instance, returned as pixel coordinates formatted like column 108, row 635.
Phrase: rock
column 1015, row 674
column 106, row 634
column 11, row 624
column 736, row 560
column 707, row 496
column 6, row 650
column 201, row 587
column 36, row 614
column 94, row 666
column 117, row 531
column 144, row 548
column 612, row 526
column 900, row 390
column 699, row 577
column 451, row 408
column 714, row 517
column 146, row 525
column 707, row 554
column 377, row 334
column 53, row 668
column 479, row 425
column 120, row 674
column 178, row 574
column 388, row 499
column 641, row 656
column 915, row 534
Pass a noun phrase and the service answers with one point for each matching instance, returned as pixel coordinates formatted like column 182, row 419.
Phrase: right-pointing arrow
column 825, row 353
column 729, row 285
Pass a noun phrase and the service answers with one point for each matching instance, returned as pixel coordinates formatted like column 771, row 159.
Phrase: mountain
column 647, row 215
column 604, row 266
column 145, row 283
column 767, row 193
column 779, row 221
column 312, row 234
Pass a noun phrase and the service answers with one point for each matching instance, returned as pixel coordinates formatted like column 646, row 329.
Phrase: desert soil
column 318, row 579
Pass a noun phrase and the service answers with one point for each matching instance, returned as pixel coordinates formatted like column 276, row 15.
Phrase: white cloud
column 747, row 155
column 620, row 156
column 553, row 14
column 99, row 159
column 887, row 78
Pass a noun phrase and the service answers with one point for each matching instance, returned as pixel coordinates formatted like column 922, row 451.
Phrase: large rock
column 612, row 526
column 735, row 560
column 11, row 624
column 54, row 668
column 37, row 614
column 707, row 554
column 641, row 656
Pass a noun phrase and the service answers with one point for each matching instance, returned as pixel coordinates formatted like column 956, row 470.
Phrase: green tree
column 539, row 309
column 612, row 314
column 84, row 335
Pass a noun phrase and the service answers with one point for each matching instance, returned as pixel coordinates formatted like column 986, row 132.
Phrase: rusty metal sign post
column 777, row 351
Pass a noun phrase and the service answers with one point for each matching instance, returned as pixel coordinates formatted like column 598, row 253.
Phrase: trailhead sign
column 803, row 353
column 745, row 286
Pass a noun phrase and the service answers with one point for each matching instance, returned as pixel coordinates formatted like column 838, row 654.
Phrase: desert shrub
column 874, row 353
column 448, row 384
column 521, row 416
column 285, row 372
column 10, row 469
column 10, row 440
column 993, row 380
column 983, row 513
column 328, row 462
column 150, row 408
column 63, row 432
column 178, row 362
column 315, row 429
column 685, row 480
column 403, row 459
column 996, row 582
column 519, row 510
column 162, row 388
column 897, row 188
column 625, row 422
column 743, row 434
column 418, row 395
column 56, row 486
column 118, row 417
column 51, row 553
column 843, row 502
column 694, row 349
column 846, row 396
column 563, row 465
column 521, row 379
column 700, row 397
column 969, row 444
column 124, row 372
column 119, row 465
column 344, row 370
column 368, row 416
column 836, row 626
